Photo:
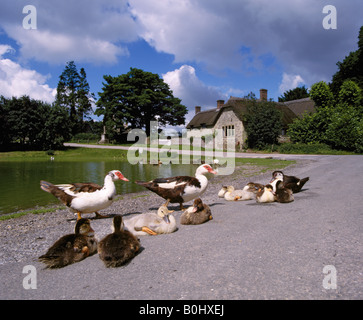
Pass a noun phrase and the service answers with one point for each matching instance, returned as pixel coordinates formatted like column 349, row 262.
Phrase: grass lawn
column 87, row 154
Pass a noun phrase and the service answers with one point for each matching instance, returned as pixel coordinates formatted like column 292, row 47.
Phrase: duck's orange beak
column 121, row 176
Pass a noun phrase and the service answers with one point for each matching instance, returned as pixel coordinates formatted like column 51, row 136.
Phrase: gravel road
column 248, row 250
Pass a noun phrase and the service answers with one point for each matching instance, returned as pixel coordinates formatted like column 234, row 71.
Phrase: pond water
column 20, row 180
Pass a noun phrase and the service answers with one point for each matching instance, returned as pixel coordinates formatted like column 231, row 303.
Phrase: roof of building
column 290, row 110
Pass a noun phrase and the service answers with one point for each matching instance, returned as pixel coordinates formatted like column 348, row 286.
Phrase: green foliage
column 73, row 93
column 350, row 94
column 294, row 94
column 135, row 99
column 263, row 124
column 359, row 138
column 322, row 95
column 85, row 137
column 342, row 130
column 351, row 68
column 302, row 148
column 337, row 124
column 33, row 124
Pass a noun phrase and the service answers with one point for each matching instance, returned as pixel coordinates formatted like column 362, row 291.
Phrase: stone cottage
column 227, row 119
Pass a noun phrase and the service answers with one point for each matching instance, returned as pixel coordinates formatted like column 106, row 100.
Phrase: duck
column 151, row 223
column 222, row 192
column 235, row 195
column 196, row 214
column 180, row 189
column 86, row 197
column 71, row 248
column 253, row 187
column 119, row 247
column 266, row 194
column 291, row 182
column 283, row 194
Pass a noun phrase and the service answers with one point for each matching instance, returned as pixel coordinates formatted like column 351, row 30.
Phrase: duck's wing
column 75, row 188
column 170, row 183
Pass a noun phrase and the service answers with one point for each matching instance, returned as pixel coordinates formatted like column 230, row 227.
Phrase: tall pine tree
column 73, row 92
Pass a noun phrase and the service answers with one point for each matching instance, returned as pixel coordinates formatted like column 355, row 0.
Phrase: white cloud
column 191, row 90
column 58, row 47
column 17, row 81
column 95, row 32
column 216, row 33
column 290, row 81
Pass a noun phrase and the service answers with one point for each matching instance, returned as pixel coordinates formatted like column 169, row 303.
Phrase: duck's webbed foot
column 146, row 229
column 100, row 216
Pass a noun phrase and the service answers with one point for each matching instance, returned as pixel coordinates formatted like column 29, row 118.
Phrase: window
column 228, row 131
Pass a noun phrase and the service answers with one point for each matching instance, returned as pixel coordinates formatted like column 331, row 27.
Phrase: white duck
column 85, row 197
column 180, row 189
column 151, row 223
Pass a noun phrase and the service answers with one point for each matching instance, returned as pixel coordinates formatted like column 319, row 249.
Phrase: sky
column 206, row 50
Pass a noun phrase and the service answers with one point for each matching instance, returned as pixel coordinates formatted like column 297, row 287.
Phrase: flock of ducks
column 281, row 189
column 119, row 247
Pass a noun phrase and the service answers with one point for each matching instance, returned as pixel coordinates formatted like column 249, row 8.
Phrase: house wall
column 228, row 118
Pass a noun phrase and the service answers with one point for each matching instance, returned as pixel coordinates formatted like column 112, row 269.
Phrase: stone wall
column 229, row 118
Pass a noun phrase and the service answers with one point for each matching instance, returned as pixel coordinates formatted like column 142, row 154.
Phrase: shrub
column 312, row 148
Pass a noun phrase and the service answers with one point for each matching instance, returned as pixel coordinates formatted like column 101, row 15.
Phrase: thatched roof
column 290, row 111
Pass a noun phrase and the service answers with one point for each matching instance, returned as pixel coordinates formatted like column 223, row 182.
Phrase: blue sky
column 204, row 49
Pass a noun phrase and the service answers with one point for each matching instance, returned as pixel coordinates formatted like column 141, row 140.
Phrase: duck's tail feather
column 55, row 191
column 303, row 181
column 46, row 186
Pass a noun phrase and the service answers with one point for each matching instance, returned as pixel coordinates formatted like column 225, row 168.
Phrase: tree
column 294, row 94
column 311, row 128
column 343, row 131
column 55, row 130
column 33, row 124
column 322, row 95
column 73, row 93
column 136, row 98
column 85, row 97
column 336, row 123
column 5, row 137
column 263, row 124
column 351, row 68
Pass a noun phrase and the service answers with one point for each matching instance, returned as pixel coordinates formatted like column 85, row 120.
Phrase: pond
column 20, row 188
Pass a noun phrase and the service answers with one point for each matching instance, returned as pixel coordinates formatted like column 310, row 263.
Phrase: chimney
column 263, row 94
column 220, row 103
column 197, row 109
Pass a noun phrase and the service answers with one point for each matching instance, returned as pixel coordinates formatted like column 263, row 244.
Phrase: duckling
column 231, row 194
column 235, row 195
column 282, row 194
column 119, row 247
column 71, row 248
column 152, row 223
column 196, row 214
column 222, row 192
column 253, row 187
column 266, row 194
column 291, row 182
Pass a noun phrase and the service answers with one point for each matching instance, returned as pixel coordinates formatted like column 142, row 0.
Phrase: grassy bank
column 90, row 154
column 69, row 154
